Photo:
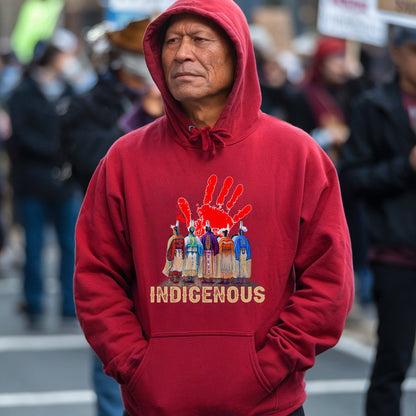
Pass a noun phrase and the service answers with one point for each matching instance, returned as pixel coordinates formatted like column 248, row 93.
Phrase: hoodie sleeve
column 104, row 275
column 314, row 317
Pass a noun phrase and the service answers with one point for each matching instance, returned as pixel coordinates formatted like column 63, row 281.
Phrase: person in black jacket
column 91, row 125
column 378, row 166
column 39, row 177
column 121, row 101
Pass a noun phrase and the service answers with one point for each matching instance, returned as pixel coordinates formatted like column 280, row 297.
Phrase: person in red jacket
column 212, row 349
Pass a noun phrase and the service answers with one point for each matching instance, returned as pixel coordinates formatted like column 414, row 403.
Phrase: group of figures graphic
column 209, row 258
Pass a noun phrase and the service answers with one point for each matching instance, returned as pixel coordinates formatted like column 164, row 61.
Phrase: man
column 378, row 165
column 212, row 349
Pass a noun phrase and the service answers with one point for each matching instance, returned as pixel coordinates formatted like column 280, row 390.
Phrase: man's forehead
column 190, row 19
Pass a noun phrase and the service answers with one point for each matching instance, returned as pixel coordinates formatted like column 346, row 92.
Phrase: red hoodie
column 189, row 327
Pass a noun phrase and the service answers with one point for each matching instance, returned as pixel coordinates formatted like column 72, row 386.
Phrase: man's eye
column 198, row 39
column 171, row 41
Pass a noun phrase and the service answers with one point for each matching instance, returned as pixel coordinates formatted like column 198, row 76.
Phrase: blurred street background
column 46, row 367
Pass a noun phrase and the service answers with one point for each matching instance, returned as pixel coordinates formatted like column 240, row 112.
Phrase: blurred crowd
column 61, row 111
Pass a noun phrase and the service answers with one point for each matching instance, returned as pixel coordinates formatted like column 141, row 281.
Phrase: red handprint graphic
column 219, row 215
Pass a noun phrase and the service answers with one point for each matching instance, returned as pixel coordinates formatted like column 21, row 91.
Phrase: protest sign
column 37, row 20
column 355, row 20
column 121, row 12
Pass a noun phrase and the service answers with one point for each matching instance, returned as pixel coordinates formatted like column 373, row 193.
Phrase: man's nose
column 185, row 50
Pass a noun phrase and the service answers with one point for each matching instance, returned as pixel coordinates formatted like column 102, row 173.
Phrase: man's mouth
column 185, row 75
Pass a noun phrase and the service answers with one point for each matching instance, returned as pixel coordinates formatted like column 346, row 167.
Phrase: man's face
column 333, row 69
column 198, row 61
column 404, row 57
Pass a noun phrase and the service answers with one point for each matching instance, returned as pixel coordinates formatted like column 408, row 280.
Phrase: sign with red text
column 356, row 20
column 400, row 12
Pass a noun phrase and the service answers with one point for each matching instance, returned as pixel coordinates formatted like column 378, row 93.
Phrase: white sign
column 119, row 13
column 401, row 12
column 353, row 20
column 141, row 6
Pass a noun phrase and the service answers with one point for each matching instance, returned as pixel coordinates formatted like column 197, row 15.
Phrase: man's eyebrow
column 207, row 32
column 195, row 32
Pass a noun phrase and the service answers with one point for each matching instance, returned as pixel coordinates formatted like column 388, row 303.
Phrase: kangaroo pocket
column 199, row 375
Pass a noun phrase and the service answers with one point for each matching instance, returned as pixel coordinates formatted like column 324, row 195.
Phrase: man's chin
column 184, row 95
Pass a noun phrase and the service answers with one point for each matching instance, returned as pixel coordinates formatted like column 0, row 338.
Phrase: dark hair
column 44, row 53
column 400, row 35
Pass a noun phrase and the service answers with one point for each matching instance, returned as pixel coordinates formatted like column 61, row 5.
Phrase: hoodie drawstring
column 210, row 138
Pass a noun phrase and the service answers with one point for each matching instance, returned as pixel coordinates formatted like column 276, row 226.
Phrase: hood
column 325, row 48
column 242, row 108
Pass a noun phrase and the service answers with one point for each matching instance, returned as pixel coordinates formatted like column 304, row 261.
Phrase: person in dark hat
column 123, row 99
column 378, row 166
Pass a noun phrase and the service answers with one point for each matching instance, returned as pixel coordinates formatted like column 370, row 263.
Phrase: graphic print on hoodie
column 222, row 346
column 209, row 254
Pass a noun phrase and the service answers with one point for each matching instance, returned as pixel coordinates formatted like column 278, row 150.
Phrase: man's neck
column 203, row 114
